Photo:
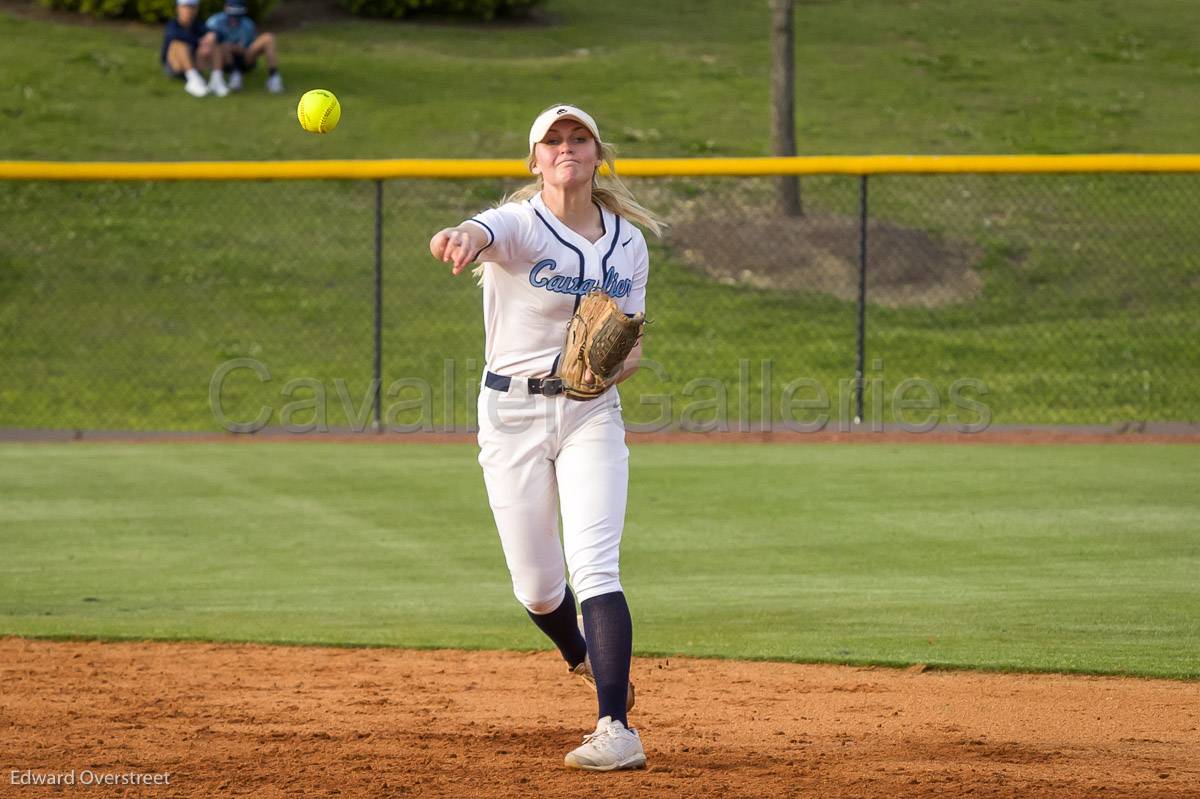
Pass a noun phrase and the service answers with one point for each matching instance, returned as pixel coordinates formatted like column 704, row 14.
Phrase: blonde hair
column 607, row 189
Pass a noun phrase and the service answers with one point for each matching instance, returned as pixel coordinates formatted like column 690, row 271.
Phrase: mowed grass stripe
column 1025, row 558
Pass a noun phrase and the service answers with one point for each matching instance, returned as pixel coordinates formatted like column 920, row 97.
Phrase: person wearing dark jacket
column 188, row 46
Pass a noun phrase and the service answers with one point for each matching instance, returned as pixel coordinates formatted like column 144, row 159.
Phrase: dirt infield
column 248, row 720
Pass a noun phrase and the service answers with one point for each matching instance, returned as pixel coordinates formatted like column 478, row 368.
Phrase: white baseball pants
column 545, row 455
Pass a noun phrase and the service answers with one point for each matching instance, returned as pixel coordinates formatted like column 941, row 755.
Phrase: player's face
column 186, row 14
column 568, row 155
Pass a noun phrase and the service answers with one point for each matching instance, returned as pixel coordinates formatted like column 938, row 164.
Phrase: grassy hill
column 117, row 302
column 669, row 78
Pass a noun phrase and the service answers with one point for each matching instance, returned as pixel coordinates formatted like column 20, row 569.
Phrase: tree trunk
column 783, row 100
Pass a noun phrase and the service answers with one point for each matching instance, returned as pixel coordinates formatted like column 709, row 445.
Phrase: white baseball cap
column 555, row 113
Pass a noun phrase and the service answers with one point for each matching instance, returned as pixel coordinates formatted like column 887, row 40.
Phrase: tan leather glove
column 599, row 339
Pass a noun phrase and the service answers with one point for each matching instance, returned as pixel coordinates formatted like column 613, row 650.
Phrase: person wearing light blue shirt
column 242, row 44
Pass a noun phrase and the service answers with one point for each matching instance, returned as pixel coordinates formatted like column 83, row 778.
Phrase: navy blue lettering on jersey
column 613, row 284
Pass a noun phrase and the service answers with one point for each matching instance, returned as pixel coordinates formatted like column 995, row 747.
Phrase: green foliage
column 151, row 10
column 480, row 9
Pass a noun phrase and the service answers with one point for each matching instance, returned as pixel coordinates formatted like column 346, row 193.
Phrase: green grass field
column 1078, row 559
column 117, row 302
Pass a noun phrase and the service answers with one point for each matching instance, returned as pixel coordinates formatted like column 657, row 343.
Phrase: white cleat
column 611, row 747
column 275, row 83
column 235, row 81
column 195, row 86
column 216, row 85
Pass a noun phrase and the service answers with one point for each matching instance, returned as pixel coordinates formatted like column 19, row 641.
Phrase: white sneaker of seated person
column 195, row 84
column 275, row 83
column 610, row 748
column 216, row 84
column 235, row 81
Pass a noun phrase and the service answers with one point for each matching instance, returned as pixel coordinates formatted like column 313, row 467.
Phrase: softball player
column 541, row 251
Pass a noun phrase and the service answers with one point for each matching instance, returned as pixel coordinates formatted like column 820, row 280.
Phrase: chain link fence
column 985, row 299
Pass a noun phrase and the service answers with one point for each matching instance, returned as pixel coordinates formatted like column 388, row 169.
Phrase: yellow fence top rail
column 635, row 167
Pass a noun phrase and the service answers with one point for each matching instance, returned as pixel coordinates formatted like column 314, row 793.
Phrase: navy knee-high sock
column 609, row 629
column 562, row 628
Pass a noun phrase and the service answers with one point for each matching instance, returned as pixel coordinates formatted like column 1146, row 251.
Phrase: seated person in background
column 241, row 45
column 187, row 44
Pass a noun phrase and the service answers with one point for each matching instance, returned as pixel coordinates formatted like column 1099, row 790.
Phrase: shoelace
column 610, row 730
column 592, row 736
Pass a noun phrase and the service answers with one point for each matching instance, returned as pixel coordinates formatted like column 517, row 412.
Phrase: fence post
column 378, row 305
column 862, row 300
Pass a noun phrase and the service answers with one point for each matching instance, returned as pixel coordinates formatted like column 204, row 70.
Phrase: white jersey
column 536, row 271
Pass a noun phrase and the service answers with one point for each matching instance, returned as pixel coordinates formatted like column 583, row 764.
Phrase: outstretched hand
column 453, row 246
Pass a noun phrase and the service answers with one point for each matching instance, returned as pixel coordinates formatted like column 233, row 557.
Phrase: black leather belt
column 549, row 386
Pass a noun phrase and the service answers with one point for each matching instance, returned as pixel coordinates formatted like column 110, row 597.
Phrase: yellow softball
column 319, row 111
